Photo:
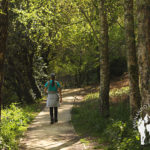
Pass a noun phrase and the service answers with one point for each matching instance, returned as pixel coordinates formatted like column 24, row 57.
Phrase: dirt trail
column 41, row 135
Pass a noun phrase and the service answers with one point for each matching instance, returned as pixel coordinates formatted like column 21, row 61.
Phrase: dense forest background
column 85, row 42
column 61, row 37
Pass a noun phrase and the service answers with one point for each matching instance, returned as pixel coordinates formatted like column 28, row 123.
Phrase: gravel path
column 41, row 135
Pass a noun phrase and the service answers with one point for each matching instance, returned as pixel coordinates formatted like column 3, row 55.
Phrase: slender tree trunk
column 28, row 58
column 3, row 38
column 143, row 15
column 132, row 59
column 33, row 83
column 104, row 62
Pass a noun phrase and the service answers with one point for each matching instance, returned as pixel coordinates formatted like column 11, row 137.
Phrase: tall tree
column 143, row 16
column 3, row 38
column 131, row 57
column 104, row 60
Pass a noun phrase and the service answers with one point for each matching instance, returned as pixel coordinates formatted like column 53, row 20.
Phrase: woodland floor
column 41, row 135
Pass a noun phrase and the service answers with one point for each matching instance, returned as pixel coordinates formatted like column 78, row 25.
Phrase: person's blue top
column 54, row 88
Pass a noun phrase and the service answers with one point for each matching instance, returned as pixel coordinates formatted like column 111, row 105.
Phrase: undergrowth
column 15, row 120
column 113, row 133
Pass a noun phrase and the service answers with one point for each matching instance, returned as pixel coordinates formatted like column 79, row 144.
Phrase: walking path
column 41, row 135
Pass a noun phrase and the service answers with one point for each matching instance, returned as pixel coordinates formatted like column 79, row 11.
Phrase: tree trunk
column 33, row 83
column 3, row 38
column 131, row 58
column 143, row 15
column 24, row 86
column 28, row 58
column 104, row 62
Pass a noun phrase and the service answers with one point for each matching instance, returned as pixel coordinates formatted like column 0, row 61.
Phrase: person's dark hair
column 53, row 79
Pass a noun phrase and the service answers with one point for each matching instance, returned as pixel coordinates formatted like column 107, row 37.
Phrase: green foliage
column 92, row 96
column 122, row 136
column 58, row 36
column 85, row 141
column 116, row 130
column 13, row 124
column 119, row 92
column 88, row 115
column 113, row 93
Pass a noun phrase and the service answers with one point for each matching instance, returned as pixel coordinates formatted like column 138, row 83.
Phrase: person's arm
column 59, row 90
column 46, row 87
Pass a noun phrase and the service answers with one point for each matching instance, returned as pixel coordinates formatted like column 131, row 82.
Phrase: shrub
column 13, row 124
column 116, row 130
column 122, row 136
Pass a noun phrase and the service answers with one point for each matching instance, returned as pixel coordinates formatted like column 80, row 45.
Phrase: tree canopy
column 58, row 36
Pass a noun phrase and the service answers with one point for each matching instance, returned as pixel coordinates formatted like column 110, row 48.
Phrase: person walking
column 54, row 98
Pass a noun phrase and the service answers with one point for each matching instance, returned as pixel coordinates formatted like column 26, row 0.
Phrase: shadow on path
column 67, row 144
column 41, row 135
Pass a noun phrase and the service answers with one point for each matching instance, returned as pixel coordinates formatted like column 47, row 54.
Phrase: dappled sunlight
column 72, row 92
column 42, row 135
column 120, row 82
column 69, row 98
column 55, row 144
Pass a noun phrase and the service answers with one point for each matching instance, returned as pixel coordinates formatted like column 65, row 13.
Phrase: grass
column 15, row 120
column 116, row 132
column 119, row 92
